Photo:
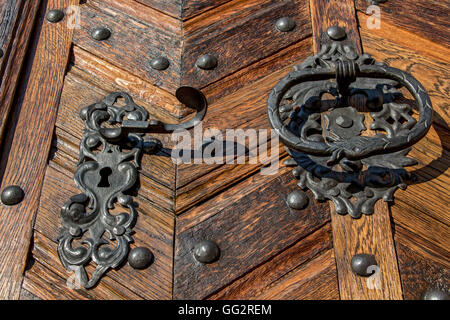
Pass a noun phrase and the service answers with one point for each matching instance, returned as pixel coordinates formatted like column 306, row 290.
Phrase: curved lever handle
column 357, row 147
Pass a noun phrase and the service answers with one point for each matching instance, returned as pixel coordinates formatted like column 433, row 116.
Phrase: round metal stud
column 160, row 63
column 361, row 263
column 344, row 122
column 206, row 62
column 336, row 33
column 12, row 195
column 285, row 24
column 297, row 200
column 54, row 16
column 140, row 258
column 101, row 33
column 435, row 294
column 206, row 251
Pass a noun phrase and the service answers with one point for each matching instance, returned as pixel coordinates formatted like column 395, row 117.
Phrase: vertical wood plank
column 17, row 20
column 30, row 144
column 369, row 234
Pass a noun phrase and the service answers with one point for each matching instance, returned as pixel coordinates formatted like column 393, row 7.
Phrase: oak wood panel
column 422, row 265
column 183, row 9
column 248, row 231
column 29, row 146
column 249, row 39
column 427, row 18
column 154, row 230
column 253, row 284
column 17, row 21
column 369, row 234
column 132, row 44
column 314, row 281
column 328, row 13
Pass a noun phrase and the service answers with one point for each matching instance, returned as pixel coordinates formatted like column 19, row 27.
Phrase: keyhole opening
column 104, row 174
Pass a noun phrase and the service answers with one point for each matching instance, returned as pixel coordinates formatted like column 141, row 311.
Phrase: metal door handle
column 334, row 160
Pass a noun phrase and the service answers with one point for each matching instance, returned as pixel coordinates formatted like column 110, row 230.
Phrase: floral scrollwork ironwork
column 97, row 224
column 333, row 158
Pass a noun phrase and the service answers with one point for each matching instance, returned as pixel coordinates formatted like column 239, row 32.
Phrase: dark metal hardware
column 107, row 172
column 12, row 195
column 285, row 24
column 333, row 159
column 160, row 63
column 361, row 264
column 101, row 33
column 140, row 258
column 206, row 62
column 297, row 200
column 206, row 251
column 54, row 16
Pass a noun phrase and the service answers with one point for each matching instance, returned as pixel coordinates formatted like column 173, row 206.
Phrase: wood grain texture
column 254, row 284
column 422, row 265
column 251, row 37
column 328, row 13
column 427, row 18
column 132, row 45
column 369, row 234
column 248, row 231
column 17, row 21
column 29, row 147
column 154, row 230
column 372, row 235
column 183, row 9
column 314, row 281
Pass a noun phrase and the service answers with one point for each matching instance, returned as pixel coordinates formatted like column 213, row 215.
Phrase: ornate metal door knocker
column 107, row 169
column 332, row 157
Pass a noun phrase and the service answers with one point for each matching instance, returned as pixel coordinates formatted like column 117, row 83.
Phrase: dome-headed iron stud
column 336, row 33
column 101, row 33
column 361, row 263
column 206, row 62
column 206, row 251
column 285, row 24
column 160, row 63
column 140, row 258
column 297, row 200
column 12, row 195
column 54, row 16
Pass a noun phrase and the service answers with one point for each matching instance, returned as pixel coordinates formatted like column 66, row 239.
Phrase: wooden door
column 54, row 65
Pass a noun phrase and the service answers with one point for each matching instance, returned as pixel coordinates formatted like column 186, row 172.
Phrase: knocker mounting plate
column 333, row 157
column 107, row 172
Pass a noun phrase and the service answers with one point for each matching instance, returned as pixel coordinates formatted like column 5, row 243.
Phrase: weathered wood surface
column 328, row 13
column 422, row 265
column 426, row 18
column 248, row 231
column 250, row 37
column 17, row 20
column 369, row 234
column 29, row 146
column 271, row 276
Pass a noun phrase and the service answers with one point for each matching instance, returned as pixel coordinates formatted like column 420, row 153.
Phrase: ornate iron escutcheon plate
column 107, row 172
column 332, row 157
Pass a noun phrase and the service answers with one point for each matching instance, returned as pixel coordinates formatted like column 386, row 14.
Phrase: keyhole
column 104, row 174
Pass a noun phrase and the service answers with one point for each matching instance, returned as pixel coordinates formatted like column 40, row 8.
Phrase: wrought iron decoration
column 107, row 169
column 331, row 156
